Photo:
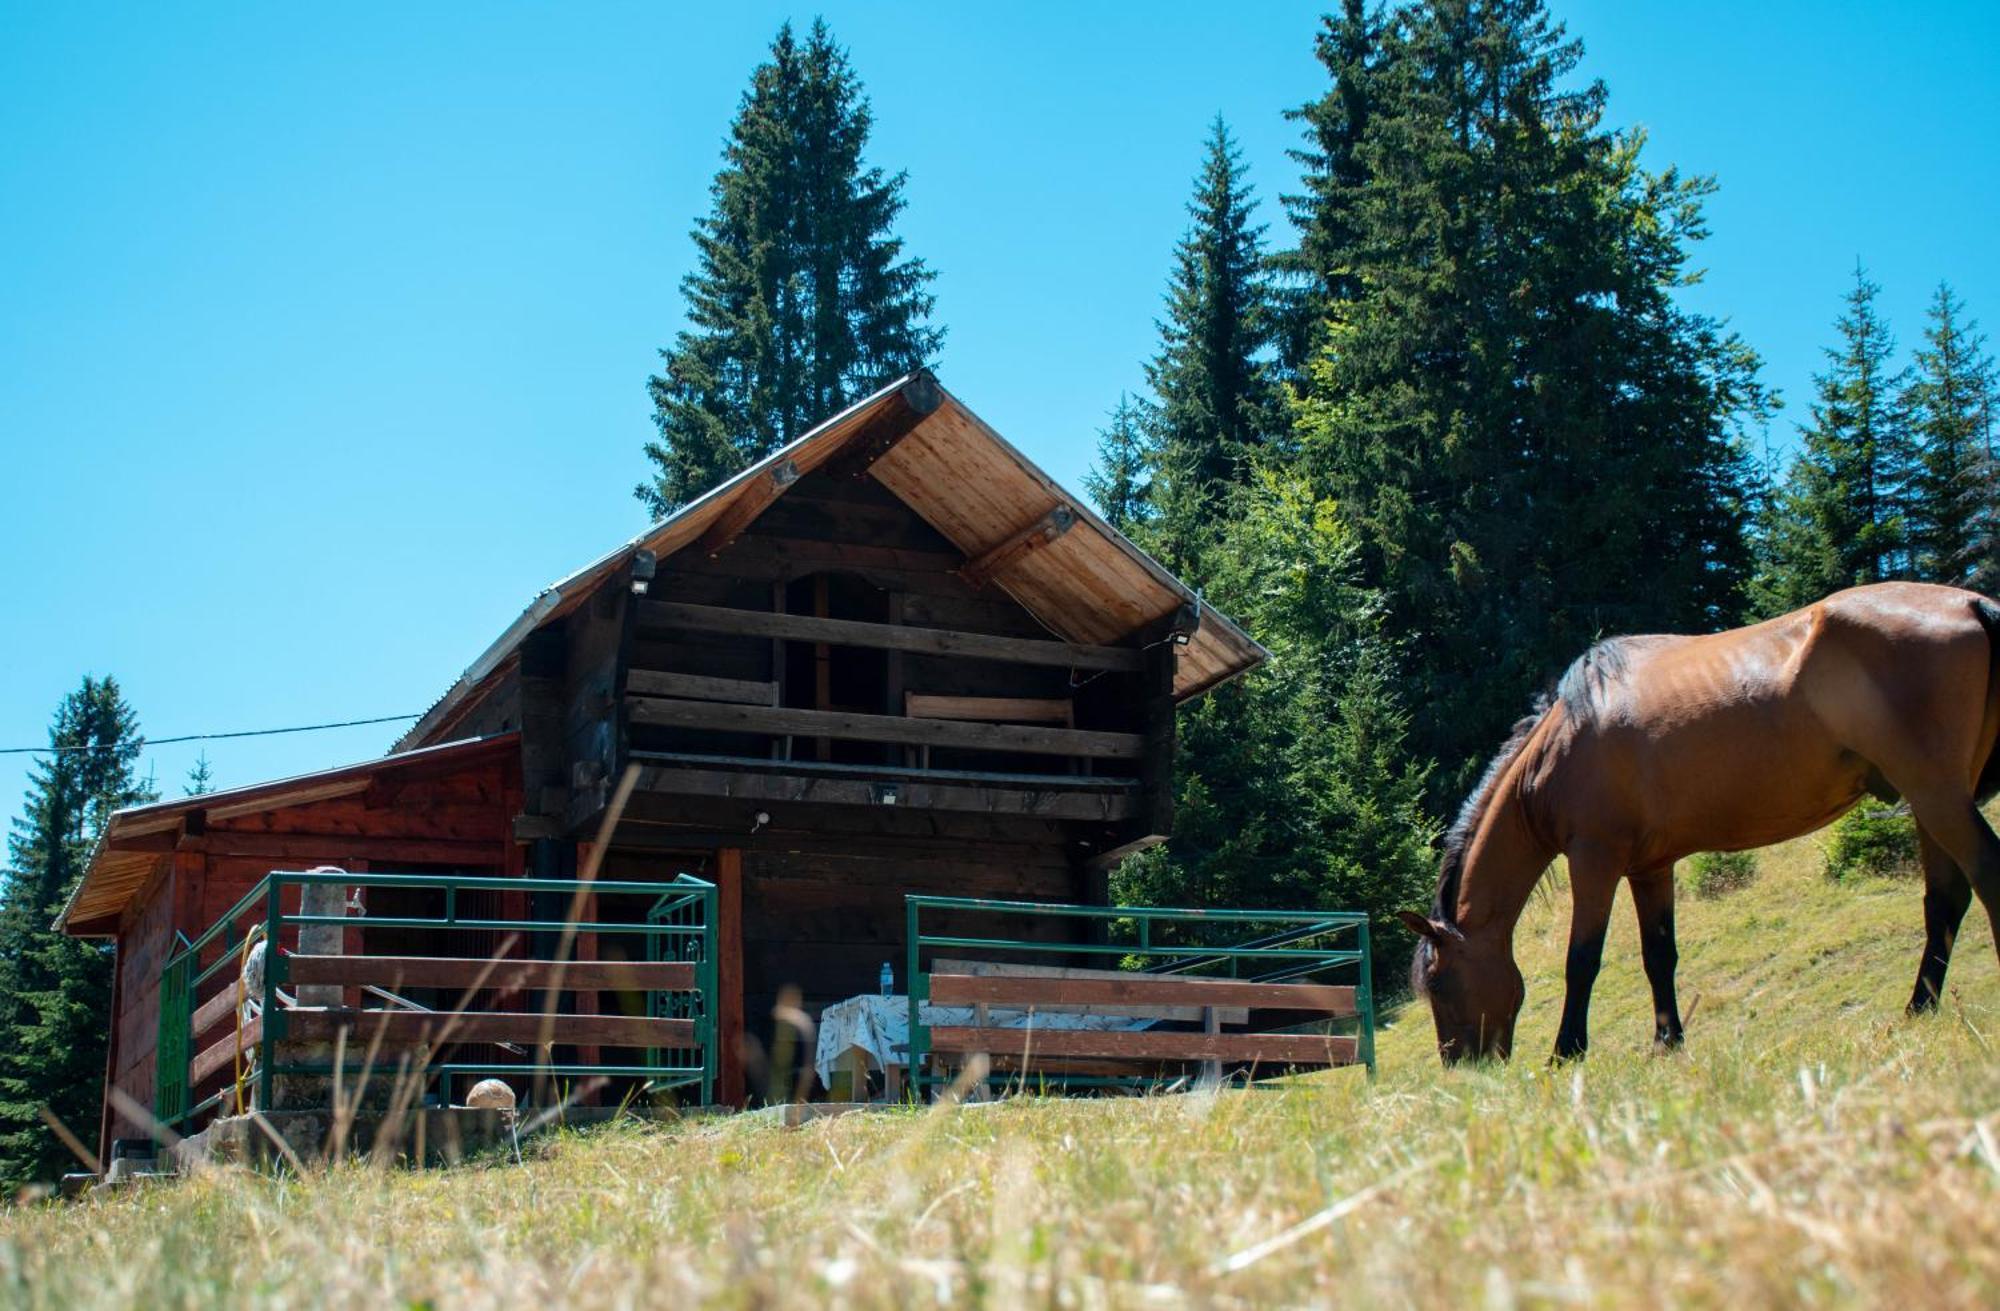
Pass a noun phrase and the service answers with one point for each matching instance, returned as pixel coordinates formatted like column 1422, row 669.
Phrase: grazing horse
column 1654, row 748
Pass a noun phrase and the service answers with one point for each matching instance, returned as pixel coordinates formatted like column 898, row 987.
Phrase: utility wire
column 199, row 737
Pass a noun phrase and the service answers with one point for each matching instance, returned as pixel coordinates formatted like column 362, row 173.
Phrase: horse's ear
column 1421, row 925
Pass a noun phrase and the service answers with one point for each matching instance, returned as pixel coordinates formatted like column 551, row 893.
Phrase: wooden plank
column 1277, row 1049
column 700, row 687
column 213, row 1011
column 398, row 972
column 222, row 1055
column 1154, row 989
column 990, row 564
column 1161, row 1010
column 1053, row 801
column 669, row 615
column 977, row 777
column 528, row 1028
column 990, row 709
column 749, row 502
column 774, row 721
column 340, row 847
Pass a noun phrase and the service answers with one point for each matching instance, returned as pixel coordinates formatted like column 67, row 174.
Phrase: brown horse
column 1654, row 748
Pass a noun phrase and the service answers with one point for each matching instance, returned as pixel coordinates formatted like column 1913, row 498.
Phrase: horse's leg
column 1955, row 822
column 1592, row 885
column 1947, row 893
column 1653, row 898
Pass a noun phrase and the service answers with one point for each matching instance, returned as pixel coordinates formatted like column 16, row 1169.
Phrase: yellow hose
column 250, row 939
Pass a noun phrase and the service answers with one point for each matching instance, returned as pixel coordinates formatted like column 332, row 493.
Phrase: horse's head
column 1474, row 988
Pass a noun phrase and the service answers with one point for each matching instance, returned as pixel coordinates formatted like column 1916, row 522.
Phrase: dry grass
column 1811, row 1147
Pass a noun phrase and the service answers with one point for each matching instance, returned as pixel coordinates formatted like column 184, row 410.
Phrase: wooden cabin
column 893, row 657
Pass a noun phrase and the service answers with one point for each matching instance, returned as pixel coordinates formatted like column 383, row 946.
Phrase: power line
column 200, row 737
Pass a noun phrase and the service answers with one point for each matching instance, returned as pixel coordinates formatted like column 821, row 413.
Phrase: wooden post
column 729, row 976
column 1156, row 768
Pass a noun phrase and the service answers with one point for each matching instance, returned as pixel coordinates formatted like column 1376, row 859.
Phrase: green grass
column 1811, row 1146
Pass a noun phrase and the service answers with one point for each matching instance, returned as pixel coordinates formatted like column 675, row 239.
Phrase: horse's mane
column 1459, row 836
column 1581, row 691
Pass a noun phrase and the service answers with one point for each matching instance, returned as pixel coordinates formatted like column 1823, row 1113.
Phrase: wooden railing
column 1184, row 1007
column 306, row 996
column 1009, row 726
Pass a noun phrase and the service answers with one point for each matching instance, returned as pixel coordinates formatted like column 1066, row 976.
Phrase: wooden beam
column 1051, row 803
column 992, row 709
column 729, row 1085
column 835, row 768
column 344, row 846
column 697, row 687
column 1274, row 1049
column 1138, row 990
column 919, row 398
column 398, row 972
column 773, row 721
column 986, row 566
column 667, row 616
column 750, row 502
column 1156, row 767
column 406, row 1028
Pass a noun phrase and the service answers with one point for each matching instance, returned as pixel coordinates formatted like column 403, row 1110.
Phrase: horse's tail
column 1989, row 619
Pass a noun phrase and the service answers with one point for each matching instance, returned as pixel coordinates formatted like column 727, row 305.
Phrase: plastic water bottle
column 888, row 980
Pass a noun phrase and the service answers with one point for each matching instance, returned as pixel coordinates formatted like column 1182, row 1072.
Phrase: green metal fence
column 676, row 922
column 1258, row 946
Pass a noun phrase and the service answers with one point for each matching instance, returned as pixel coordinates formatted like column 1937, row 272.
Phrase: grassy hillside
column 1810, row 1147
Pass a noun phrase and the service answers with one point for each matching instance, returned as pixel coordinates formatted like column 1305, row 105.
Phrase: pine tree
column 1121, row 479
column 1321, row 270
column 200, row 779
column 1216, row 400
column 1839, row 518
column 1952, row 493
column 1531, row 440
column 802, row 299
column 55, row 991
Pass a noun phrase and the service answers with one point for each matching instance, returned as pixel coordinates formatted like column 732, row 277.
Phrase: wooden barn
column 891, row 658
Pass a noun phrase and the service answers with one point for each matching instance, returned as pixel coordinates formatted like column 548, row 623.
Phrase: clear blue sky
column 324, row 329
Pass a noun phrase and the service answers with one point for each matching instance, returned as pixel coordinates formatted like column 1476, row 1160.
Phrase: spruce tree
column 1322, row 269
column 1839, row 519
column 200, row 779
column 55, row 991
column 1294, row 785
column 1949, row 405
column 1533, row 442
column 802, row 299
column 1120, row 481
column 1216, row 402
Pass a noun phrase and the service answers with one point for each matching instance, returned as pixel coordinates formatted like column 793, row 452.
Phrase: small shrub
column 1717, row 873
column 1872, row 839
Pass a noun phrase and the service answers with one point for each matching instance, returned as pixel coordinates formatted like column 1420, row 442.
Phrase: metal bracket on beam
column 986, row 566
column 748, row 505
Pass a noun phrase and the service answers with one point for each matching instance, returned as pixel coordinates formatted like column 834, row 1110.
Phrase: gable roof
column 1088, row 584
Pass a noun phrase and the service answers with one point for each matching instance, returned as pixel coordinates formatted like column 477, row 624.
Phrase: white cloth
column 880, row 1027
